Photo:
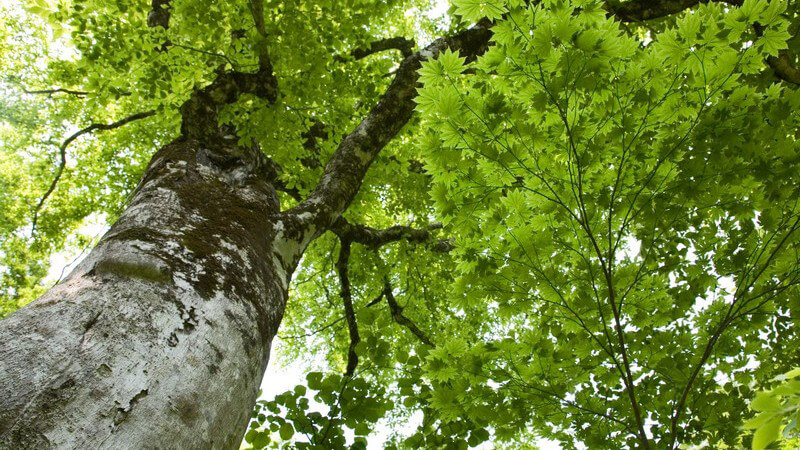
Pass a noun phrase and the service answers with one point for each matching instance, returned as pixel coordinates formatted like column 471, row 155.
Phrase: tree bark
column 160, row 337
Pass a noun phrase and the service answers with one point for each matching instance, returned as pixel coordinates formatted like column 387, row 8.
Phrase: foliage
column 774, row 407
column 351, row 402
column 621, row 199
column 622, row 206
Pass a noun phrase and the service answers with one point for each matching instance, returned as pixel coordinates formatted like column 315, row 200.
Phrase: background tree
column 591, row 235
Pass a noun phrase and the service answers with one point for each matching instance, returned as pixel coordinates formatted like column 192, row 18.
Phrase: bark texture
column 159, row 339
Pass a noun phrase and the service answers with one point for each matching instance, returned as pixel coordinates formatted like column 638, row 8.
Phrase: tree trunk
column 160, row 337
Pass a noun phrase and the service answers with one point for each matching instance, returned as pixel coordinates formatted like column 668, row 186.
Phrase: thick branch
column 400, row 43
column 200, row 111
column 257, row 9
column 783, row 67
column 349, row 313
column 782, row 64
column 397, row 315
column 63, row 153
column 348, row 165
column 374, row 238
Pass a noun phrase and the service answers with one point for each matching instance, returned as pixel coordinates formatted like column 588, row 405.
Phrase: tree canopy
column 587, row 232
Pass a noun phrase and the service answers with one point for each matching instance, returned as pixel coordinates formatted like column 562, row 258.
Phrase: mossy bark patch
column 133, row 269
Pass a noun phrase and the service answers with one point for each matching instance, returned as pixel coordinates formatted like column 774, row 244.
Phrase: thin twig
column 50, row 92
column 312, row 333
column 205, row 52
column 63, row 152
column 397, row 314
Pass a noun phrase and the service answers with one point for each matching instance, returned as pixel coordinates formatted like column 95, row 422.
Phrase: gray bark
column 160, row 337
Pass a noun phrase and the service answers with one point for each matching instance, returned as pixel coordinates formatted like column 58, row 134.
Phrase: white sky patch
column 439, row 10
column 630, row 249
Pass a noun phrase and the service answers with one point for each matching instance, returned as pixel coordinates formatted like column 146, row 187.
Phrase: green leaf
column 261, row 440
column 452, row 63
column 474, row 10
column 361, row 429
column 765, row 401
column 766, row 434
column 752, row 9
column 774, row 40
column 314, row 380
column 789, row 428
column 286, row 431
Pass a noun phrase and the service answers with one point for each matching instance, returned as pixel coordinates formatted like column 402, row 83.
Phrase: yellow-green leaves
column 41, row 8
column 761, row 11
column 776, row 408
column 446, row 66
column 774, row 39
column 452, row 64
column 474, row 10
column 574, row 161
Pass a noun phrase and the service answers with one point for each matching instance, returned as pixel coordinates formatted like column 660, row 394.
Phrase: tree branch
column 200, row 111
column 315, row 132
column 257, row 9
column 50, row 92
column 349, row 313
column 400, row 43
column 397, row 314
column 264, row 62
column 783, row 67
column 781, row 64
column 345, row 170
column 205, row 52
column 63, row 153
column 373, row 238
column 311, row 333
